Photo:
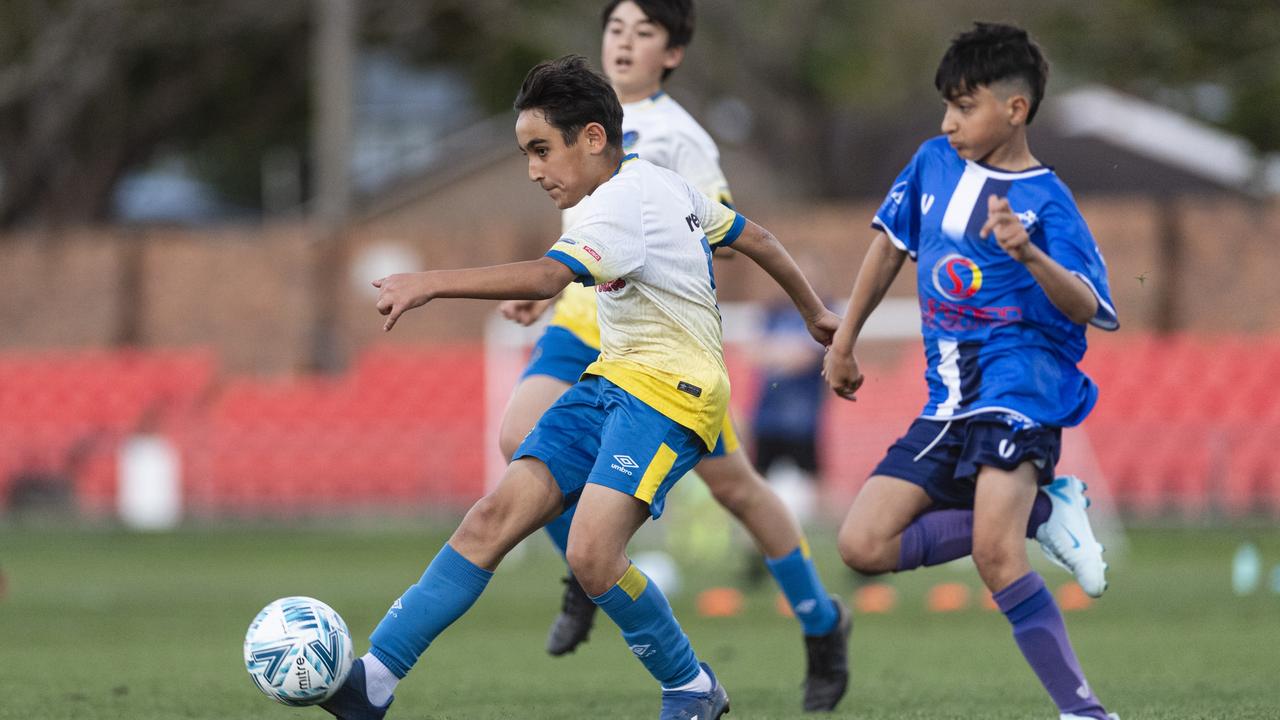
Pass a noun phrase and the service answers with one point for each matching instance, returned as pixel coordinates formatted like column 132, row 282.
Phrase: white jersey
column 660, row 131
column 644, row 240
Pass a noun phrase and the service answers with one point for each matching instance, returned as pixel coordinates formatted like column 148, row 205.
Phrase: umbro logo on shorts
column 624, row 464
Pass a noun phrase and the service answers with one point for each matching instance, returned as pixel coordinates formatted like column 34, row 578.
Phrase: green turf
column 117, row 625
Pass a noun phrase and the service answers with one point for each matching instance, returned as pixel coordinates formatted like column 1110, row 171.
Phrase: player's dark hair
column 991, row 53
column 571, row 96
column 675, row 16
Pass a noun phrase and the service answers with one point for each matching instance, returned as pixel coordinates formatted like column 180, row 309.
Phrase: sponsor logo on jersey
column 957, row 277
column 954, row 317
column 926, row 203
column 591, row 251
column 611, row 286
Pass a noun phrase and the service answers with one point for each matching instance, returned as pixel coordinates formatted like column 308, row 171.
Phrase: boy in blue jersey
column 1008, row 277
column 643, row 43
column 643, row 414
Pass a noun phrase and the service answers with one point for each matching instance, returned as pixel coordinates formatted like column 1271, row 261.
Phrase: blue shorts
column 599, row 433
column 943, row 458
column 562, row 355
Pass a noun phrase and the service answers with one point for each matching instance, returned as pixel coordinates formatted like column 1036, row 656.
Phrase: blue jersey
column 993, row 341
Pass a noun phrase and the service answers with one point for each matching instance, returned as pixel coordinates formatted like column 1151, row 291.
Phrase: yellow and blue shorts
column 599, row 433
column 562, row 355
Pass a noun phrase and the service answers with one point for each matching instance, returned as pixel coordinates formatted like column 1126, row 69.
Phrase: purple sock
column 1042, row 637
column 940, row 536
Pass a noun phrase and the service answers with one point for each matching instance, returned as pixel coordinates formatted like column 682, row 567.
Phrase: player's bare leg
column 1002, row 504
column 529, row 401
column 603, row 525
column 871, row 536
column 736, row 485
column 526, row 499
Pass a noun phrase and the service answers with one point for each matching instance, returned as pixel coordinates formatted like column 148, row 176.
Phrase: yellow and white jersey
column 660, row 131
column 643, row 239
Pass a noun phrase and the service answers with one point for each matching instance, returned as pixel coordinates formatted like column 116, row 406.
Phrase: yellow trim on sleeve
column 804, row 546
column 659, row 467
column 633, row 582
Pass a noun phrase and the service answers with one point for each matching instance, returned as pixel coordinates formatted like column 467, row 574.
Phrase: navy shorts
column 943, row 457
column 599, row 433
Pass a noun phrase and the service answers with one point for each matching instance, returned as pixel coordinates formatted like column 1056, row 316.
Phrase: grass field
column 99, row 624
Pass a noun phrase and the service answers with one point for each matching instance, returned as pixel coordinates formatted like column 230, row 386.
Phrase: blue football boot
column 684, row 705
column 351, row 702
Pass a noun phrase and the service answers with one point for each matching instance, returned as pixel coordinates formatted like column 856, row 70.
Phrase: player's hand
column 398, row 293
column 525, row 312
column 842, row 373
column 1008, row 230
column 823, row 327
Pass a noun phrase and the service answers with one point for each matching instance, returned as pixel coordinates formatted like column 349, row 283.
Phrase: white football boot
column 1067, row 538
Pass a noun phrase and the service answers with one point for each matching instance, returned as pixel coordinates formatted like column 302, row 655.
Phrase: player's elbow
column 549, row 279
column 1083, row 313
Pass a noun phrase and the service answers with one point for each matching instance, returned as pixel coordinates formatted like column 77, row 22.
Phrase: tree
column 93, row 88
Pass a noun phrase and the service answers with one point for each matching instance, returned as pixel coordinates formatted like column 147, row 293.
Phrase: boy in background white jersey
column 643, row 43
column 643, row 414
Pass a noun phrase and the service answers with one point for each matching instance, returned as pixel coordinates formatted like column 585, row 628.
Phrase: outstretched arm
column 530, row 280
column 764, row 249
column 879, row 268
column 1067, row 292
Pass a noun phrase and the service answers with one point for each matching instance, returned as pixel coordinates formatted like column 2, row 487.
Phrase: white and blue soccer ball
column 298, row 651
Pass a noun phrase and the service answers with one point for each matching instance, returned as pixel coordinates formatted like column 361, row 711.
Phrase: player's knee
column 734, row 495
column 860, row 551
column 589, row 567
column 483, row 524
column 993, row 557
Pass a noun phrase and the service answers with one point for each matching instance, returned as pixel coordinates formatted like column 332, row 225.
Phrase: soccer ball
column 298, row 651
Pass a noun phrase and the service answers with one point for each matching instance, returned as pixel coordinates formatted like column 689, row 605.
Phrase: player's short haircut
column 571, row 96
column 676, row 16
column 992, row 53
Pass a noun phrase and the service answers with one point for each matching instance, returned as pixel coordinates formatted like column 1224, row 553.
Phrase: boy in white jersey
column 645, row 412
column 643, row 43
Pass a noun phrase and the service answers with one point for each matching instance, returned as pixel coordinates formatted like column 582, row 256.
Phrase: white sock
column 700, row 684
column 379, row 682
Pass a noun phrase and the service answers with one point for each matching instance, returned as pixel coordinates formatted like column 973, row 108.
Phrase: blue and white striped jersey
column 993, row 341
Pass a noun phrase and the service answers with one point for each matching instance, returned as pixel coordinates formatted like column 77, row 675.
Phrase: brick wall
column 247, row 290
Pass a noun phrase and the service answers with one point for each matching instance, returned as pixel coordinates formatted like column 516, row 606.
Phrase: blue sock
column 640, row 609
column 1042, row 636
column 558, row 529
column 799, row 581
column 446, row 591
